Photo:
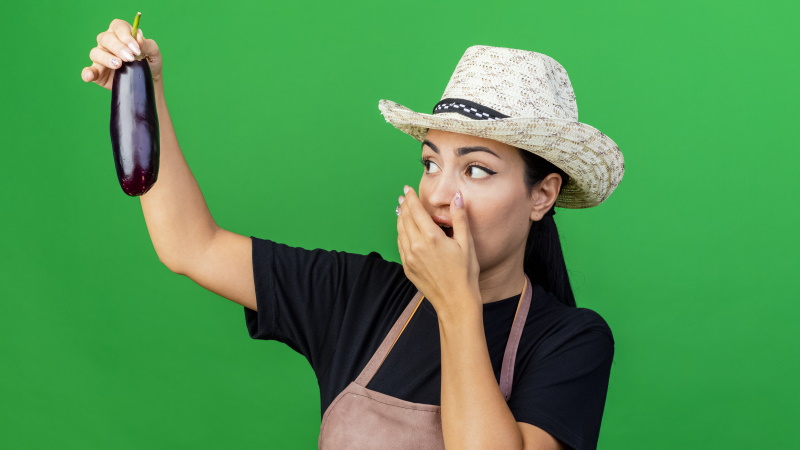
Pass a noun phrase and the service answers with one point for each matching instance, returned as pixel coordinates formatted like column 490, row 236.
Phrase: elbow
column 182, row 257
column 171, row 264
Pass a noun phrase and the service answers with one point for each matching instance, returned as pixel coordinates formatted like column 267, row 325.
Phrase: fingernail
column 459, row 200
column 135, row 48
column 126, row 54
column 401, row 199
column 114, row 62
column 405, row 189
column 86, row 75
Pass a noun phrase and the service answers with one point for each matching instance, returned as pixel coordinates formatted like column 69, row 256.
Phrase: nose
column 442, row 190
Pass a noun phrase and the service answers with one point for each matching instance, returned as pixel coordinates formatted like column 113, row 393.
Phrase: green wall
column 275, row 106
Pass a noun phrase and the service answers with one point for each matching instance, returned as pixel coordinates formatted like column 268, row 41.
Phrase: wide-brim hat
column 525, row 99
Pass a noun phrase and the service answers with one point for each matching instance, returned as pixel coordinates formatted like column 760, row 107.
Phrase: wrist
column 158, row 90
column 463, row 306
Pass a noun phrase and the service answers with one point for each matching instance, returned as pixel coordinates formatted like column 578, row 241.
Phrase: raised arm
column 184, row 234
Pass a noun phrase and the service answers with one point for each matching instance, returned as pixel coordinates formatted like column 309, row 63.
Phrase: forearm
column 175, row 211
column 474, row 413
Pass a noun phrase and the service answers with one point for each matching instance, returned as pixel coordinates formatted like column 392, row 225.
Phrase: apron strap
column 388, row 342
column 510, row 356
column 507, row 371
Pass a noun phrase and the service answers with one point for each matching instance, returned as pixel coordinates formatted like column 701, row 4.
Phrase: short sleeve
column 563, row 388
column 301, row 297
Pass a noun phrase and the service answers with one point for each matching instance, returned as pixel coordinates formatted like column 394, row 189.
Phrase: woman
column 494, row 354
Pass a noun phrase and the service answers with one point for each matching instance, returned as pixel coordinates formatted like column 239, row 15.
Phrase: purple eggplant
column 134, row 127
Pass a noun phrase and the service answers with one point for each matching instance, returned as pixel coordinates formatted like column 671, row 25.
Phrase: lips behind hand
column 445, row 224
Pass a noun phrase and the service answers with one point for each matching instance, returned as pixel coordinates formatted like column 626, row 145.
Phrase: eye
column 430, row 166
column 476, row 171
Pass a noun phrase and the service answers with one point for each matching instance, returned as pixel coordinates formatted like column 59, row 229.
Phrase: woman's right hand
column 116, row 45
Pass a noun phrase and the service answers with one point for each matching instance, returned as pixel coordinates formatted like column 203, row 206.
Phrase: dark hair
column 544, row 261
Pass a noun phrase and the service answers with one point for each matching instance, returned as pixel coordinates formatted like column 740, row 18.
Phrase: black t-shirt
column 335, row 308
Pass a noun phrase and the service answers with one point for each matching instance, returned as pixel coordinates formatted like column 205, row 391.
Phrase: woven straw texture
column 534, row 90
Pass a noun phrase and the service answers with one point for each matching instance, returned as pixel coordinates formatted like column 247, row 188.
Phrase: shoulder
column 586, row 319
column 576, row 319
column 559, row 327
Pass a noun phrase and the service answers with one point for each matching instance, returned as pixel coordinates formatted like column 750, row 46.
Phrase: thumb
column 460, row 222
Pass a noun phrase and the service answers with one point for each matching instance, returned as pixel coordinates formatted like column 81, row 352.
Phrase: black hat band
column 467, row 108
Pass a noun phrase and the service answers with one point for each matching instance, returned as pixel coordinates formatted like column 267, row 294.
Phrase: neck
column 502, row 281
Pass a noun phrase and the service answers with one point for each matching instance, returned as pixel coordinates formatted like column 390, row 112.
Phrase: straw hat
column 524, row 99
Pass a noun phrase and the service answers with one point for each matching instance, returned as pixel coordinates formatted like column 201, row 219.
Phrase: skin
column 482, row 262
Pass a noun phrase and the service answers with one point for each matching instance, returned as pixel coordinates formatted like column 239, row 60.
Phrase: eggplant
column 134, row 126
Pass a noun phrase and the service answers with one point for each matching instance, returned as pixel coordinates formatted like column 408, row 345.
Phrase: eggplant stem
column 135, row 24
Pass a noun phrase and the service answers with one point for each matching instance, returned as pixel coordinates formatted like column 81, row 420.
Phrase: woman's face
column 491, row 178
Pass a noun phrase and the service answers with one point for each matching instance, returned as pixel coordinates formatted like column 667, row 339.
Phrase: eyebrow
column 461, row 151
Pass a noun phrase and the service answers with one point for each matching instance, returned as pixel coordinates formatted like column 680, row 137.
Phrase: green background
column 275, row 105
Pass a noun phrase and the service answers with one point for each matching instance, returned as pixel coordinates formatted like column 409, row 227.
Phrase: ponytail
column 544, row 261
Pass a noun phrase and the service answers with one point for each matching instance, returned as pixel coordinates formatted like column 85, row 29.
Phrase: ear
column 544, row 196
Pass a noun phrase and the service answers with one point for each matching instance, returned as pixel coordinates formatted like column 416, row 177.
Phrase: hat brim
column 592, row 160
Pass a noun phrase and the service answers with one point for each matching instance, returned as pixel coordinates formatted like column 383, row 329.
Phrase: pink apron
column 360, row 418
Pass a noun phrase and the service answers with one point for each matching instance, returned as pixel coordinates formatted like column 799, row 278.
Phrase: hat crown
column 517, row 83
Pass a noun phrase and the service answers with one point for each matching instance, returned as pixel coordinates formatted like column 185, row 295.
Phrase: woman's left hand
column 444, row 269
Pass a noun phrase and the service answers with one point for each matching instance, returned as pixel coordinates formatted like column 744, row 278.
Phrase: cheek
column 487, row 204
column 485, row 215
column 496, row 221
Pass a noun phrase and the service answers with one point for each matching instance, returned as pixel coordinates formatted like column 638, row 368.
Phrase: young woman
column 474, row 341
